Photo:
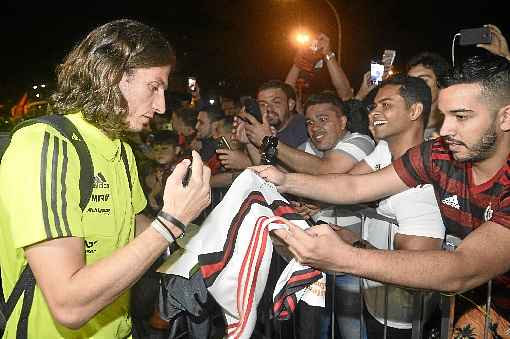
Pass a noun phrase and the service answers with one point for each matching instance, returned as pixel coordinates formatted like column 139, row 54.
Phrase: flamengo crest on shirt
column 452, row 201
column 487, row 215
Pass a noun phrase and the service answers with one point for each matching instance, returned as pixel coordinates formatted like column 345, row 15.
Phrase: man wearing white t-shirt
column 335, row 150
column 398, row 116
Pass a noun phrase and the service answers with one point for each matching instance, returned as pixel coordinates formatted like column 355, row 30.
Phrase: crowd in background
column 315, row 139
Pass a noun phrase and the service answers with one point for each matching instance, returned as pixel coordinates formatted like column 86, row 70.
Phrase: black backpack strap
column 25, row 285
column 123, row 155
column 26, row 282
column 65, row 127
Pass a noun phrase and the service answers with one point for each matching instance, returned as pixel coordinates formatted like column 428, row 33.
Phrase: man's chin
column 323, row 147
column 461, row 157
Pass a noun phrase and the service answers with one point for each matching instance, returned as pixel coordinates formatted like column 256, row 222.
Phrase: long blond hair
column 88, row 79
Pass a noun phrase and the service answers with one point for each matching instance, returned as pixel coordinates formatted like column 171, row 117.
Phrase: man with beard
column 277, row 101
column 468, row 167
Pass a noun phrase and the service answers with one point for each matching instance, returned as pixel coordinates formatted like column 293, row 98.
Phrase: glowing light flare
column 302, row 38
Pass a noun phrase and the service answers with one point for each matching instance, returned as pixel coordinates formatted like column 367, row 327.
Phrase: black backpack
column 26, row 283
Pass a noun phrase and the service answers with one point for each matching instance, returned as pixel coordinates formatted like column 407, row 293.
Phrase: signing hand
column 186, row 203
column 498, row 45
column 233, row 159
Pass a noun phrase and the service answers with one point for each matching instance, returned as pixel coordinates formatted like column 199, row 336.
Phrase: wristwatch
column 330, row 55
column 269, row 150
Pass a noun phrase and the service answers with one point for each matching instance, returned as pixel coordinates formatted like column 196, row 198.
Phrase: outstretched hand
column 271, row 174
column 318, row 246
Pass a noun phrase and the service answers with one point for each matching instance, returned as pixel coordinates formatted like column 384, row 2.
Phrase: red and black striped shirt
column 464, row 205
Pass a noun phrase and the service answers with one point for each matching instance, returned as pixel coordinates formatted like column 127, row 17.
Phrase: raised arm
column 292, row 76
column 338, row 77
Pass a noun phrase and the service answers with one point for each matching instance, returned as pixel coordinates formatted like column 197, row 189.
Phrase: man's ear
column 292, row 104
column 416, row 111
column 124, row 83
column 343, row 121
column 505, row 118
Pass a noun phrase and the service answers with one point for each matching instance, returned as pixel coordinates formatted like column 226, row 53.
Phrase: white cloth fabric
column 417, row 213
column 233, row 250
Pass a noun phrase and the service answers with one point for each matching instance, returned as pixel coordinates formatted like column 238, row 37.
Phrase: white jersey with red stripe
column 233, row 250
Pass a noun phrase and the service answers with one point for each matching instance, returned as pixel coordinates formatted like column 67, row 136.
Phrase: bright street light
column 338, row 24
column 302, row 38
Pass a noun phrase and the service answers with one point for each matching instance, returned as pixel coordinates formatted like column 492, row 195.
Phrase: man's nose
column 448, row 127
column 159, row 105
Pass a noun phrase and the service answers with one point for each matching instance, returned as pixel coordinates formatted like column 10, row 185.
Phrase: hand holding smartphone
column 252, row 106
column 475, row 36
column 379, row 71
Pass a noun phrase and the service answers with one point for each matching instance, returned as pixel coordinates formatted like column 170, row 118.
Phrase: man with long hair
column 84, row 260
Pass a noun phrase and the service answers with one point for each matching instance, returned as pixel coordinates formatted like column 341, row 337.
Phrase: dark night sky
column 241, row 41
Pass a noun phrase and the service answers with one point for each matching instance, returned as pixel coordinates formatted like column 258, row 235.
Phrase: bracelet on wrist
column 162, row 221
column 161, row 229
column 173, row 220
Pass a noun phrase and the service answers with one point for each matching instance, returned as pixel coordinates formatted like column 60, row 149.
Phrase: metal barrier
column 446, row 303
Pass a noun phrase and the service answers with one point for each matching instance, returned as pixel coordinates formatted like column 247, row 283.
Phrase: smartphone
column 376, row 73
column 388, row 57
column 252, row 106
column 387, row 60
column 474, row 36
column 223, row 143
column 192, row 84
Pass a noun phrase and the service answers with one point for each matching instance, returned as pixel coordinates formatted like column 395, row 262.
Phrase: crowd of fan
column 329, row 132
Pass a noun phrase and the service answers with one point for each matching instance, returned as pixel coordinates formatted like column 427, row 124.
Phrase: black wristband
column 170, row 218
